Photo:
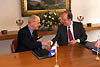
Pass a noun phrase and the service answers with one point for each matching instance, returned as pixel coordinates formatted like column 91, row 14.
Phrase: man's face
column 35, row 25
column 65, row 20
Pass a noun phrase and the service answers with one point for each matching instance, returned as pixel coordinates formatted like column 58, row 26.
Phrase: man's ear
column 30, row 22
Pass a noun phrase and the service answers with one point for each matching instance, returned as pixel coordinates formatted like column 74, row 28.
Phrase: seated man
column 27, row 36
column 70, row 32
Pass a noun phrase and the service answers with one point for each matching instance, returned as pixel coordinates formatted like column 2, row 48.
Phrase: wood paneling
column 13, row 34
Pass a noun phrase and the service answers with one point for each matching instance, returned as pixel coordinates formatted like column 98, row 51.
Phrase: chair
column 14, row 45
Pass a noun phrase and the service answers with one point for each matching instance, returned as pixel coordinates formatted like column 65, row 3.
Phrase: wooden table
column 13, row 34
column 68, row 56
column 9, row 35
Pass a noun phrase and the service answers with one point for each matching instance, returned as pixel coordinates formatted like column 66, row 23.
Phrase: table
column 68, row 56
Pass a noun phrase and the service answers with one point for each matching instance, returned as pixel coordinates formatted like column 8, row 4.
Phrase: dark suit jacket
column 78, row 30
column 26, row 41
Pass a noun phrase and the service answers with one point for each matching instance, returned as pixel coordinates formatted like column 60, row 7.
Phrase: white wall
column 90, row 9
column 10, row 10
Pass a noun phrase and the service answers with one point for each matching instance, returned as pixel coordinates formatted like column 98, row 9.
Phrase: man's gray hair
column 32, row 18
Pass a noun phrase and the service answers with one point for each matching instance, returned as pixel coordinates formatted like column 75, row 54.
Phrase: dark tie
column 34, row 35
column 70, row 34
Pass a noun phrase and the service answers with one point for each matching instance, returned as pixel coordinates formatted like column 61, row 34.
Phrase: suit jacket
column 78, row 30
column 26, row 41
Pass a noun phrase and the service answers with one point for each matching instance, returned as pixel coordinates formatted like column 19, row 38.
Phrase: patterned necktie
column 70, row 34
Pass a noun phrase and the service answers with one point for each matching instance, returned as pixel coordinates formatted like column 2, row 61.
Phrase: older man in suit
column 70, row 32
column 28, row 37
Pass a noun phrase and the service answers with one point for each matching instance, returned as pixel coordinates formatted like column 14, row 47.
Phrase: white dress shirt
column 71, row 29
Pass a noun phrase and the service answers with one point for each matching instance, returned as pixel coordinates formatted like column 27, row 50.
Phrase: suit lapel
column 65, row 33
column 29, row 34
column 35, row 35
column 28, row 31
column 74, row 30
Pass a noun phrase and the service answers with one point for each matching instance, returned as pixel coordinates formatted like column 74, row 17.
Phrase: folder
column 41, row 53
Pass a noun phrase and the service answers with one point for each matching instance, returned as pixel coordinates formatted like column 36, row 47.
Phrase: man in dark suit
column 77, row 31
column 27, row 36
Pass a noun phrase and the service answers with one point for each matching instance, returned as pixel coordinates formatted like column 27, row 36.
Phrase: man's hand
column 39, row 40
column 73, row 42
column 47, row 43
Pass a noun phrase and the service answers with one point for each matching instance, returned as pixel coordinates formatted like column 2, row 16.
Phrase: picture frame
column 30, row 7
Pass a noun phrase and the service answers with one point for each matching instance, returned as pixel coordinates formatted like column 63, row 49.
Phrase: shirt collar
column 71, row 25
column 30, row 30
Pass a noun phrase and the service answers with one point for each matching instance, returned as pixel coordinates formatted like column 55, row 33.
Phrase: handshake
column 47, row 43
